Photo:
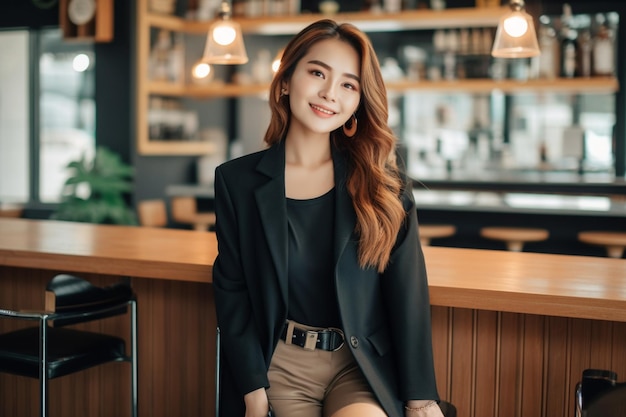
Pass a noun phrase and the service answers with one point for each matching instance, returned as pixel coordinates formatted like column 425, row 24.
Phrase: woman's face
column 324, row 89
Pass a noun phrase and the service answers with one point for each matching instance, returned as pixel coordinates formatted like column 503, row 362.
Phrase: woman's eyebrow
column 323, row 64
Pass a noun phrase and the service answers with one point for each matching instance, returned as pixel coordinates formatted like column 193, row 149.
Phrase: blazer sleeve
column 241, row 348
column 405, row 288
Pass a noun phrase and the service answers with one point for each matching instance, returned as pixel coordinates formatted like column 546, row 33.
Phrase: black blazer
column 385, row 317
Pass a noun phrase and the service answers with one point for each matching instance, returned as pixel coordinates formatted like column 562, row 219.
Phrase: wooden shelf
column 601, row 85
column 369, row 22
column 215, row 90
column 175, row 147
column 561, row 85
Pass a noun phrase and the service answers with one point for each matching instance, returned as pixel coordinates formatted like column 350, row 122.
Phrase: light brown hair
column 373, row 181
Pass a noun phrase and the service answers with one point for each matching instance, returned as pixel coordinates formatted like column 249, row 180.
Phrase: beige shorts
column 315, row 383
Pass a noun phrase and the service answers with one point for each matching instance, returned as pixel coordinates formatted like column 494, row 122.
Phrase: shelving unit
column 284, row 25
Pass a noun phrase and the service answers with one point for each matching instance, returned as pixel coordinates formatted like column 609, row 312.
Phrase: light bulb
column 224, row 35
column 201, row 70
column 515, row 26
column 275, row 65
column 80, row 63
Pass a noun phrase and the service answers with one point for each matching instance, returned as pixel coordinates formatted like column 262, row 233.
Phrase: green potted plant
column 95, row 190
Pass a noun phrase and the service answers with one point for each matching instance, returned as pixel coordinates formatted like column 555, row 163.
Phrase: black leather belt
column 327, row 339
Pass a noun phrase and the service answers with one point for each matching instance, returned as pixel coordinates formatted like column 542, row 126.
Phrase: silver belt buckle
column 310, row 341
column 343, row 338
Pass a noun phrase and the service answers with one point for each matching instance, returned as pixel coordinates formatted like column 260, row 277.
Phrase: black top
column 312, row 295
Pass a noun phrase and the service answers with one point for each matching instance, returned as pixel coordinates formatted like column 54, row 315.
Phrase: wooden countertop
column 112, row 250
column 556, row 285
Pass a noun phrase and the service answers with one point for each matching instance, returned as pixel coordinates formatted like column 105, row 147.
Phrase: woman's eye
column 350, row 86
column 317, row 73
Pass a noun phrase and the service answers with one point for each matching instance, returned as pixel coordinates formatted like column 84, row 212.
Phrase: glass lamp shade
column 516, row 37
column 224, row 44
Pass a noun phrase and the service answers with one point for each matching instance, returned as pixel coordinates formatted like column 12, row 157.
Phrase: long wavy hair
column 373, row 181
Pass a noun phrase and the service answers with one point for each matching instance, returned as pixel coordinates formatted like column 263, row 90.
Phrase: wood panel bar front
column 512, row 332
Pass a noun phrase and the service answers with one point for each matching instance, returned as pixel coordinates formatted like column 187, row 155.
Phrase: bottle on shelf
column 569, row 45
column 549, row 58
column 435, row 66
column 585, row 50
column 177, row 60
column 160, row 57
column 450, row 64
column 603, row 49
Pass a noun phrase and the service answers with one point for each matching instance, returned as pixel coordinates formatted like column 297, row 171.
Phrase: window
column 60, row 121
column 14, row 120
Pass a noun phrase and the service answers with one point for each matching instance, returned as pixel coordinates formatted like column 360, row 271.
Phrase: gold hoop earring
column 349, row 128
column 283, row 93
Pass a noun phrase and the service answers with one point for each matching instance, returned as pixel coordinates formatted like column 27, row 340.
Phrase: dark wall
column 114, row 88
column 24, row 13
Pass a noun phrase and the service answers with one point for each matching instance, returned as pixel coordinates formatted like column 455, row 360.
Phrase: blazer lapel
column 271, row 202
column 345, row 217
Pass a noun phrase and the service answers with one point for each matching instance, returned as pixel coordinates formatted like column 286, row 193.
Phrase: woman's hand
column 422, row 408
column 257, row 404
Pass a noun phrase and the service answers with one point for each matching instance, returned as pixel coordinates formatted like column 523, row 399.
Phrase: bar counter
column 512, row 331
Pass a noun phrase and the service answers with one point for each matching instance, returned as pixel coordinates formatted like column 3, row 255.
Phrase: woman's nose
column 327, row 93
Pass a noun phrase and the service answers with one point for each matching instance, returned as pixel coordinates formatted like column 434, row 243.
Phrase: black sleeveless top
column 312, row 295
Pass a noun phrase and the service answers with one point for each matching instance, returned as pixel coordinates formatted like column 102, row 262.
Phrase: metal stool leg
column 43, row 366
column 217, row 373
column 134, row 362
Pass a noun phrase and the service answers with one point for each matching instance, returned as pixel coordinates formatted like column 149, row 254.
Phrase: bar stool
column 53, row 348
column 152, row 213
column 433, row 231
column 514, row 237
column 614, row 242
column 185, row 210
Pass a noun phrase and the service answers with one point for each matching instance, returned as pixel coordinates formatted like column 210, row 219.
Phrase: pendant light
column 224, row 42
column 516, row 36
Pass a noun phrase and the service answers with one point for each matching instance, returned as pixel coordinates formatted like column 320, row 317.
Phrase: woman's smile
column 323, row 111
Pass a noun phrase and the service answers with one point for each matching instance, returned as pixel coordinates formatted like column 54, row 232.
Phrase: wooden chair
column 14, row 212
column 433, row 231
column 185, row 210
column 514, row 237
column 152, row 213
column 53, row 348
column 614, row 242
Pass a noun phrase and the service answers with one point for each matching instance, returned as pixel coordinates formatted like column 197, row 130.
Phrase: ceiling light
column 224, row 44
column 516, row 36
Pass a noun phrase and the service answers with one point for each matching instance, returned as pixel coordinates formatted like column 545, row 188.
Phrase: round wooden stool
column 185, row 210
column 514, row 237
column 431, row 231
column 614, row 242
